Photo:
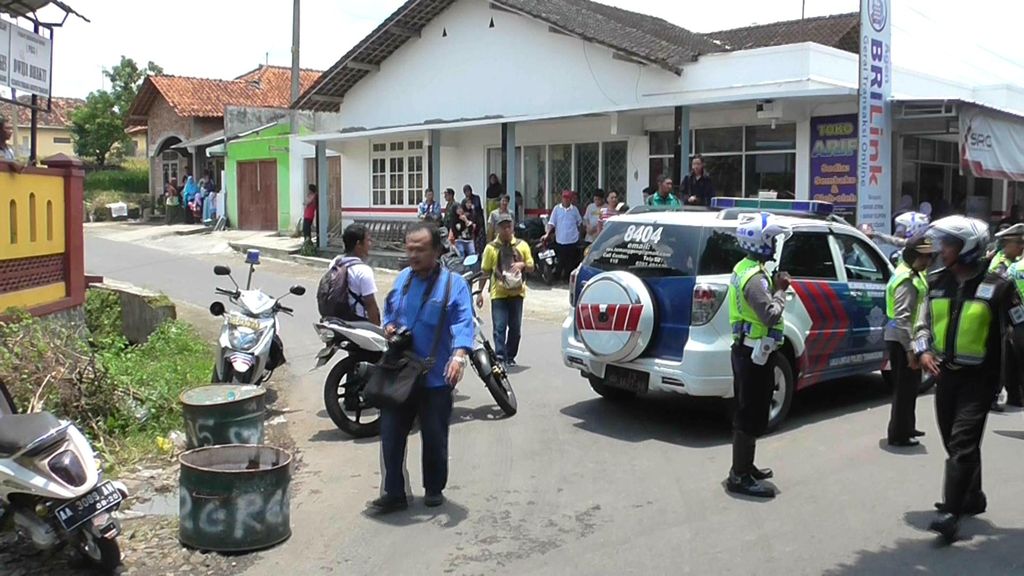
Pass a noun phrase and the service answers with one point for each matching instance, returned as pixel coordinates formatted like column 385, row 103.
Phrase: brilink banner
column 834, row 163
column 874, row 166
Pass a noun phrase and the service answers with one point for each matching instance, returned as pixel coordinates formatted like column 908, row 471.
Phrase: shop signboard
column 991, row 144
column 5, row 52
column 834, row 163
column 874, row 166
column 30, row 62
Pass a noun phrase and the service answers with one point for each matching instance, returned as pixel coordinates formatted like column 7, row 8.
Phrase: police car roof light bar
column 814, row 207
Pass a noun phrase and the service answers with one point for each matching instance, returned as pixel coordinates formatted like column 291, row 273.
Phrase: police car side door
column 864, row 273
column 809, row 258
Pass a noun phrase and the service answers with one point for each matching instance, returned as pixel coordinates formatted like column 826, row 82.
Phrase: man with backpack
column 506, row 260
column 348, row 289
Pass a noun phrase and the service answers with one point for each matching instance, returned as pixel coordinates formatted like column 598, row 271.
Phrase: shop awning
column 992, row 143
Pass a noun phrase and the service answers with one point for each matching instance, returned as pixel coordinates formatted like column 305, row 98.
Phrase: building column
column 435, row 164
column 681, row 155
column 508, row 156
column 323, row 207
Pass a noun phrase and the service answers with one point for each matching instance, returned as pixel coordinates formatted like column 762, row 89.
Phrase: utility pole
column 295, row 64
column 803, row 8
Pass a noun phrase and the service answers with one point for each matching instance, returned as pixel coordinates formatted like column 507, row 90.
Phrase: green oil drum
column 234, row 498
column 223, row 414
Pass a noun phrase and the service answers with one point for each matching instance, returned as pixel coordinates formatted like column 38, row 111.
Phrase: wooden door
column 257, row 195
column 333, row 186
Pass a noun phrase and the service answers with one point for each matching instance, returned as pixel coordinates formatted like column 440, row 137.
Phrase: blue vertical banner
column 874, row 160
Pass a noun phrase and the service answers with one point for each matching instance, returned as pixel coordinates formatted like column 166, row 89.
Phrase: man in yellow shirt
column 506, row 260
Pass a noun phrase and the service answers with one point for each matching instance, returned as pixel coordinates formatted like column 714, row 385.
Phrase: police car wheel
column 609, row 393
column 785, row 387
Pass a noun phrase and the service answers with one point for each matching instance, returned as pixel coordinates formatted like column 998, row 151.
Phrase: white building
column 593, row 96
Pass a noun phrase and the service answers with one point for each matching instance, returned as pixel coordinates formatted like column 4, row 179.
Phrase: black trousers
column 752, row 388
column 433, row 407
column 902, row 418
column 962, row 401
column 568, row 259
column 307, row 229
column 1011, row 378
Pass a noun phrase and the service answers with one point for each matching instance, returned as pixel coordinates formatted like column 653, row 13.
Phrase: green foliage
column 309, row 249
column 96, row 203
column 133, row 181
column 123, row 397
column 97, row 129
column 125, row 79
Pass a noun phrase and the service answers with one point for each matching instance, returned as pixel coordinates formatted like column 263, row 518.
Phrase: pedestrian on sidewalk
column 958, row 339
column 309, row 213
column 500, row 211
column 424, row 293
column 6, row 150
column 429, row 210
column 565, row 224
column 188, row 196
column 592, row 217
column 906, row 290
column 506, row 262
column 463, row 231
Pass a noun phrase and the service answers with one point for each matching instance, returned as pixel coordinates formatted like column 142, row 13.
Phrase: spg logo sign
column 878, row 13
column 979, row 140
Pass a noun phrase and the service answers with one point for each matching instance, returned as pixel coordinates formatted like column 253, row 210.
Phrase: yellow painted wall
column 45, row 144
column 31, row 215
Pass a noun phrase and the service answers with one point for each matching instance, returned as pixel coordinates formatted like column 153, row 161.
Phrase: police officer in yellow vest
column 756, row 304
column 903, row 297
column 1007, row 262
column 958, row 338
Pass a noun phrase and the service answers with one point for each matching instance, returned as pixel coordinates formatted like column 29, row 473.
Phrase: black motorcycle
column 545, row 260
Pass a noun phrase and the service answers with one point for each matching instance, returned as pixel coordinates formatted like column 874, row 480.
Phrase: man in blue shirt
column 417, row 303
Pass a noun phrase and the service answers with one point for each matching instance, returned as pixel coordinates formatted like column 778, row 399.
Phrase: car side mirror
column 217, row 309
column 221, row 270
column 297, row 290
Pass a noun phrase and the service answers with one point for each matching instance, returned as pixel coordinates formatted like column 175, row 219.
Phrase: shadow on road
column 448, row 515
column 984, row 549
column 703, row 423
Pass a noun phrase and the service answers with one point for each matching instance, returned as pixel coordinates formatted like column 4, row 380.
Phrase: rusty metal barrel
column 234, row 498
column 223, row 414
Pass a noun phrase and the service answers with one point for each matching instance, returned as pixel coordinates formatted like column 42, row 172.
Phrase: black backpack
column 333, row 292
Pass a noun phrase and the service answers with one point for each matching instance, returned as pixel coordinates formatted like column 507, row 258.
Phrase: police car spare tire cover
column 615, row 317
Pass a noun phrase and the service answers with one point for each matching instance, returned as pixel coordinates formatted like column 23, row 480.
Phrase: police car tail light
column 707, row 299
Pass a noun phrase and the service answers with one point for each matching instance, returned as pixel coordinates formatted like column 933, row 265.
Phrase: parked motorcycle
column 53, row 489
column 365, row 343
column 250, row 346
column 532, row 231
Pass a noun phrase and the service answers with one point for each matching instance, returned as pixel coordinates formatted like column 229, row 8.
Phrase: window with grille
column 397, row 172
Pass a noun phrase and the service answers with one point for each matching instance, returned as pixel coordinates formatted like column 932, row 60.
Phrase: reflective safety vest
column 904, row 273
column 999, row 260
column 1016, row 274
column 962, row 335
column 745, row 322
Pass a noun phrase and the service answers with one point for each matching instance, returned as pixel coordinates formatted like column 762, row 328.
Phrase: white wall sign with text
column 30, row 62
column 874, row 161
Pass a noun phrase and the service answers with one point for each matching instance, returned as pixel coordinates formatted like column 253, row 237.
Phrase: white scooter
column 250, row 346
column 52, row 488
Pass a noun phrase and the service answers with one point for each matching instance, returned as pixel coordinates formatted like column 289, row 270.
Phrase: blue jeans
column 507, row 317
column 433, row 407
column 465, row 247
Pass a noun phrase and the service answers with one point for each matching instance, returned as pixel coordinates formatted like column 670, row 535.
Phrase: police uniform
column 1010, row 377
column 1000, row 263
column 963, row 327
column 755, row 312
column 903, row 296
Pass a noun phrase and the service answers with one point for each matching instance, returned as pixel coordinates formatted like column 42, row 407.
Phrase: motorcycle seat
column 17, row 431
column 357, row 324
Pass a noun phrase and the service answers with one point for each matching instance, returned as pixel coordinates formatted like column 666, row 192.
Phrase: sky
column 226, row 38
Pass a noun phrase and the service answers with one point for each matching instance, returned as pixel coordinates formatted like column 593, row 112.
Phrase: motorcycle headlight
column 243, row 338
column 326, row 335
column 68, row 467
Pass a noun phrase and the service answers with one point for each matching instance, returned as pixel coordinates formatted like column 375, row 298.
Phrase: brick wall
column 164, row 122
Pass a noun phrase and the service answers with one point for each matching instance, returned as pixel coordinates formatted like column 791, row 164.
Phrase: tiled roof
column 632, row 34
column 58, row 117
column 266, row 87
column 838, row 31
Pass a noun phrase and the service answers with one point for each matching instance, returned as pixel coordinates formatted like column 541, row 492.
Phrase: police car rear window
column 664, row 250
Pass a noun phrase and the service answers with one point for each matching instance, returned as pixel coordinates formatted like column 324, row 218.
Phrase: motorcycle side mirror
column 217, row 309
column 470, row 260
column 297, row 290
column 221, row 270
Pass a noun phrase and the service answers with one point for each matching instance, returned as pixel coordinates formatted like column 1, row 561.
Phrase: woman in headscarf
column 494, row 192
column 189, row 194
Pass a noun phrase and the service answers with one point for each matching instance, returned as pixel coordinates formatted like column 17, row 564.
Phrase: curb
column 264, row 250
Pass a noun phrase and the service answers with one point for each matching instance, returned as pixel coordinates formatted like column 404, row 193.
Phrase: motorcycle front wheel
column 496, row 381
column 344, row 402
column 104, row 553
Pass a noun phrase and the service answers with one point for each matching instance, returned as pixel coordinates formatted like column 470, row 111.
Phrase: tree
column 125, row 79
column 97, row 129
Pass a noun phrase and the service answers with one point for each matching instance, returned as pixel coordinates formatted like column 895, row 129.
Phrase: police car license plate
column 626, row 379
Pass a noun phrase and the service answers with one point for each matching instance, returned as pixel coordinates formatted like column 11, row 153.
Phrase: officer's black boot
column 976, row 502
column 741, row 477
column 958, row 482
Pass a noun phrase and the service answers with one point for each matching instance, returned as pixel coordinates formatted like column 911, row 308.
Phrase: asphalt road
column 576, row 485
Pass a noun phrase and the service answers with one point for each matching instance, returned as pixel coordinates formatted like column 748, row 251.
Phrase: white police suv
column 649, row 308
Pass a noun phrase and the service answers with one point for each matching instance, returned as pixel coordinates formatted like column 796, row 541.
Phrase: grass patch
column 132, row 180
column 125, row 398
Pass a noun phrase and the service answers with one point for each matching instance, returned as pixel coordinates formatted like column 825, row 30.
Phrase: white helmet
column 910, row 224
column 971, row 232
column 756, row 234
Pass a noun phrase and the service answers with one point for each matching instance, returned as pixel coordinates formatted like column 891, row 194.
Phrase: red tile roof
column 58, row 117
column 266, row 86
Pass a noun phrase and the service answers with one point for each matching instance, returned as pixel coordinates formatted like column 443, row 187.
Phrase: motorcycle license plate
column 244, row 322
column 103, row 498
column 546, row 254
